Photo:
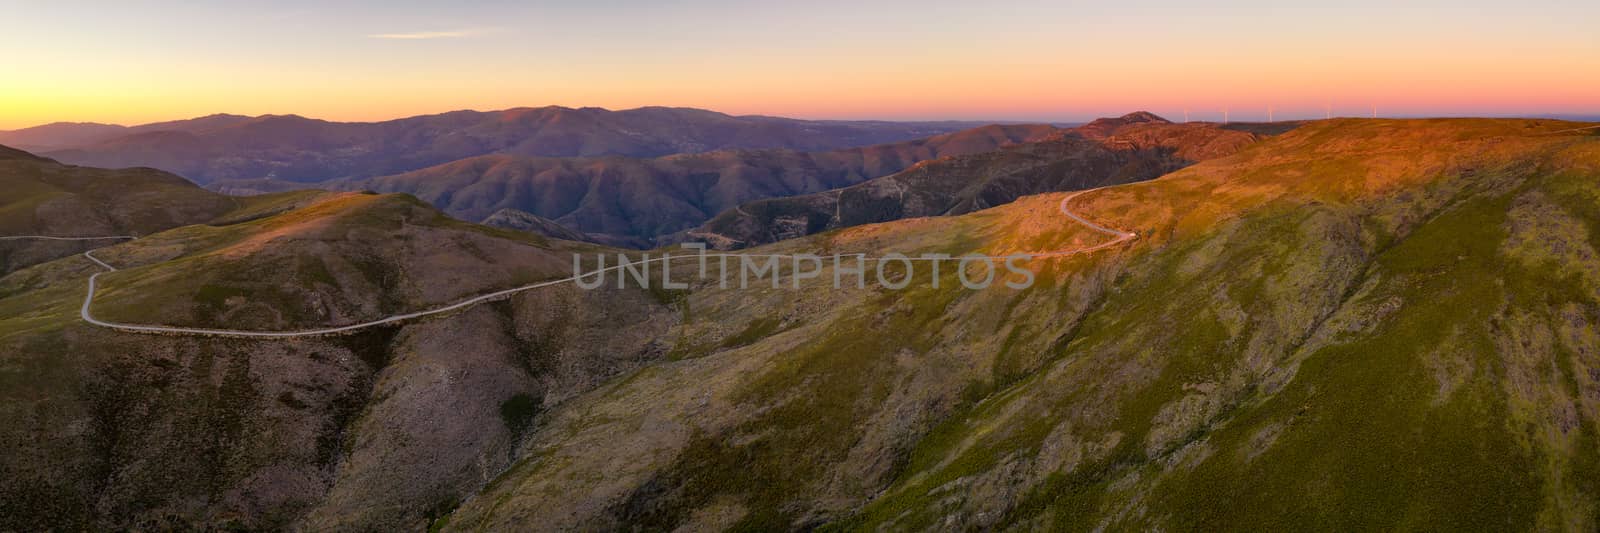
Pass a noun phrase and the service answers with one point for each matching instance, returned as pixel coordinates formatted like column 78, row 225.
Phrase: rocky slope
column 1134, row 147
column 524, row 221
column 377, row 430
column 299, row 149
column 1357, row 324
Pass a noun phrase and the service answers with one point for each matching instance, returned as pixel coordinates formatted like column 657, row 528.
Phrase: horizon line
column 1578, row 116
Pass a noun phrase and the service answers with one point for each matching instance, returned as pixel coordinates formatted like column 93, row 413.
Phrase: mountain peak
column 291, row 117
column 1143, row 116
column 1103, row 127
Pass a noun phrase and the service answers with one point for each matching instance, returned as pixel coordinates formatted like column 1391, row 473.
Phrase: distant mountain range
column 635, row 178
column 631, row 201
column 300, row 149
column 647, row 202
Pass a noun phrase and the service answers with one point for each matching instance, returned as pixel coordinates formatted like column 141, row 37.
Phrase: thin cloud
column 419, row 35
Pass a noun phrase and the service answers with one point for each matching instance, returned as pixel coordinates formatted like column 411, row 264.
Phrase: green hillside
column 1357, row 325
column 44, row 197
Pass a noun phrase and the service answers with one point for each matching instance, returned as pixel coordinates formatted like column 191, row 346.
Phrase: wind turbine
column 1224, row 114
column 1269, row 113
column 1374, row 110
column 1185, row 115
column 1327, row 110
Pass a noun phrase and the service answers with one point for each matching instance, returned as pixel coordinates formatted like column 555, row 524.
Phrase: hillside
column 44, row 197
column 1354, row 325
column 106, row 430
column 1135, row 147
column 528, row 222
column 67, row 135
column 59, row 135
column 298, row 149
column 632, row 201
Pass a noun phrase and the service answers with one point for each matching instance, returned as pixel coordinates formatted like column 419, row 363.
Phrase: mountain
column 60, row 135
column 321, row 263
column 49, row 198
column 299, row 149
column 66, row 135
column 1359, row 324
column 1104, row 127
column 1354, row 325
column 44, row 197
column 1135, row 147
column 8, row 153
column 364, row 430
column 633, row 200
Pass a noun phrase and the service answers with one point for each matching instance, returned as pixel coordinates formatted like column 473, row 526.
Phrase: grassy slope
column 316, row 265
column 128, row 200
column 1351, row 326
column 1410, row 402
column 47, row 198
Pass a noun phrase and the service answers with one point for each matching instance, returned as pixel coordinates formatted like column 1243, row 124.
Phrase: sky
column 137, row 61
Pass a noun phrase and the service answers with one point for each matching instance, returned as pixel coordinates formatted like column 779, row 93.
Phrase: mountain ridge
column 298, row 148
column 631, row 201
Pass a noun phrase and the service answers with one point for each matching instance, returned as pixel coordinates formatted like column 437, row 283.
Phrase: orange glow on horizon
column 997, row 92
column 1045, row 61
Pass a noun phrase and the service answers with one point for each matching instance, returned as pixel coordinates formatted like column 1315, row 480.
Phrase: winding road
column 1573, row 130
column 88, row 300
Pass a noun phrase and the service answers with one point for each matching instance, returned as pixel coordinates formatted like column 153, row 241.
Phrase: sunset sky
column 133, row 62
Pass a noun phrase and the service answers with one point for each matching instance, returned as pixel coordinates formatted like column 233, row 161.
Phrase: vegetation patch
column 518, row 412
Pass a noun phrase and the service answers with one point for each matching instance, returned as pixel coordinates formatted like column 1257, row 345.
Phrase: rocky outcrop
column 528, row 222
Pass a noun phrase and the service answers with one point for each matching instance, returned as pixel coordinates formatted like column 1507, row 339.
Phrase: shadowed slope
column 621, row 199
column 43, row 197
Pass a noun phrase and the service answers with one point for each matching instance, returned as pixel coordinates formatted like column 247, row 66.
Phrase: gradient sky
column 141, row 61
